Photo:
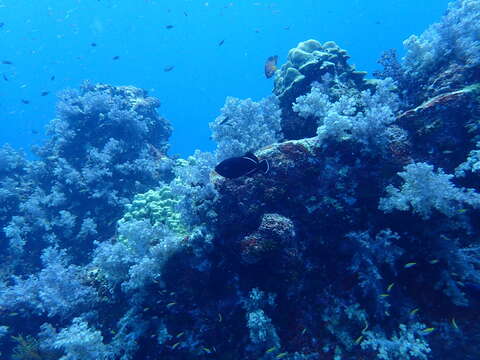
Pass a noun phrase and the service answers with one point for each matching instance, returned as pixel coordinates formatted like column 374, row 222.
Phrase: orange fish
column 271, row 66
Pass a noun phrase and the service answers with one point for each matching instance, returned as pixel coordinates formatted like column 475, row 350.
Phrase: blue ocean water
column 55, row 45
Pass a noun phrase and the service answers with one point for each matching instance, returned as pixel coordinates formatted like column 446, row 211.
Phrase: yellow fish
column 428, row 330
column 359, row 339
column 271, row 66
column 272, row 349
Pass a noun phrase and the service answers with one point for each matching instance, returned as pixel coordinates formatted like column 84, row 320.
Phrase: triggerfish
column 245, row 165
column 271, row 66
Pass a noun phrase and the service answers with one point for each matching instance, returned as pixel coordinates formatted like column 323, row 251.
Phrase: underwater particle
column 44, row 93
column 52, row 77
column 7, row 62
column 2, row 24
column 34, row 131
column 270, row 66
column 93, row 44
column 286, row 27
column 116, row 57
column 26, row 102
column 409, row 265
column 168, row 27
column 168, row 68
column 185, row 13
column 221, row 42
column 5, row 77
column 245, row 165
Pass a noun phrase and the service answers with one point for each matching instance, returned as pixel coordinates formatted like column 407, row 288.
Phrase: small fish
column 175, row 345
column 35, row 131
column 409, row 265
column 44, row 93
column 221, row 42
column 359, row 339
column 272, row 349
column 116, row 57
column 270, row 66
column 389, row 288
column 7, row 62
column 146, row 309
column 454, row 323
column 286, row 28
column 384, row 295
column 2, row 24
column 462, row 211
column 93, row 44
column 434, row 261
column 168, row 27
column 245, row 165
column 13, row 314
column 180, row 334
column 52, row 77
column 414, row 311
column 224, row 120
column 428, row 330
column 26, row 102
column 169, row 305
column 168, row 68
column 207, row 350
column 5, row 77
column 220, row 317
column 304, row 331
column 281, row 355
column 185, row 13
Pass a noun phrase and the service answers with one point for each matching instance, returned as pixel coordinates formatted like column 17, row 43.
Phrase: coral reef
column 106, row 144
column 309, row 62
column 360, row 242
column 245, row 125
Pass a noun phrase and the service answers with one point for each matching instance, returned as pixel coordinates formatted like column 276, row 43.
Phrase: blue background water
column 53, row 38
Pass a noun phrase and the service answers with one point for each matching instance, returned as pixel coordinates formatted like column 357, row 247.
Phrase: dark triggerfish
column 245, row 165
column 271, row 66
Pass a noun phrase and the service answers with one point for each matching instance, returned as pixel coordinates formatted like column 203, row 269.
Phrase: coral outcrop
column 306, row 63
